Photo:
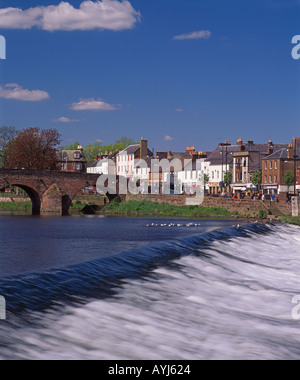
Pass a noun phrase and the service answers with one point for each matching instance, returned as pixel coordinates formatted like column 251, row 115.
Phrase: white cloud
column 200, row 35
column 92, row 105
column 101, row 14
column 16, row 92
column 168, row 138
column 179, row 110
column 65, row 120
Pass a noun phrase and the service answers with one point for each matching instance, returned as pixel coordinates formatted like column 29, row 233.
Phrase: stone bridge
column 49, row 191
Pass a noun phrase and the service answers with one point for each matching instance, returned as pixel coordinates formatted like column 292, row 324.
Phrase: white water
column 235, row 303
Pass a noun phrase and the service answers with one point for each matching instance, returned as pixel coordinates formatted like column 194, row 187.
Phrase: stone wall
column 14, row 199
column 244, row 207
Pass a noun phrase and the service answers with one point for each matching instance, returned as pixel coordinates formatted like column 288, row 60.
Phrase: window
column 271, row 165
column 266, row 166
column 78, row 167
column 270, row 179
column 276, row 179
column 77, row 155
column 213, row 175
column 266, row 179
column 276, row 165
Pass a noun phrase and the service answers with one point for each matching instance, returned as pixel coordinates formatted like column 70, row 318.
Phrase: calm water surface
column 113, row 288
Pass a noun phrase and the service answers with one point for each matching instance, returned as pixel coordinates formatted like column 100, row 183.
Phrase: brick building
column 73, row 161
column 276, row 165
column 248, row 159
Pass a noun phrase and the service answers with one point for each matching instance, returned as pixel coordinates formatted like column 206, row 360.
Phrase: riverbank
column 148, row 208
column 291, row 220
column 136, row 208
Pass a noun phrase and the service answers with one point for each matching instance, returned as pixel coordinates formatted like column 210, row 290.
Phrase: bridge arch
column 33, row 195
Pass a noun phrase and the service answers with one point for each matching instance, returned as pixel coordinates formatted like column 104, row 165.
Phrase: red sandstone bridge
column 49, row 191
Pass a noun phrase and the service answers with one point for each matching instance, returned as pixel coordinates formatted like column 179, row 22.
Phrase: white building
column 127, row 159
column 191, row 177
column 105, row 165
column 217, row 164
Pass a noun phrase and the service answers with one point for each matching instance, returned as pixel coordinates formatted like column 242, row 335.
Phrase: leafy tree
column 73, row 146
column 34, row 149
column 206, row 179
column 256, row 178
column 289, row 178
column 123, row 143
column 92, row 150
column 7, row 135
column 228, row 179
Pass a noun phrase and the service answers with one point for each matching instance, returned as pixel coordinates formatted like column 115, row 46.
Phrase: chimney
column 270, row 147
column 250, row 142
column 143, row 149
column 190, row 149
column 239, row 142
column 169, row 154
column 291, row 151
column 227, row 142
column 80, row 147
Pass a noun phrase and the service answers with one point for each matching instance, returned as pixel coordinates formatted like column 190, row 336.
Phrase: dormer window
column 77, row 155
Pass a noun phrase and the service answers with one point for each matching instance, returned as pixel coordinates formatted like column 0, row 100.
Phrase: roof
column 95, row 163
column 173, row 155
column 281, row 154
column 215, row 158
column 132, row 149
column 68, row 155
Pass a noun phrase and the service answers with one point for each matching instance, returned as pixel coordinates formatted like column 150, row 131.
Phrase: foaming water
column 223, row 295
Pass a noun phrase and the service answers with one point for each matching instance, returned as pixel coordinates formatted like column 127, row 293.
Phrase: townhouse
column 275, row 166
column 247, row 160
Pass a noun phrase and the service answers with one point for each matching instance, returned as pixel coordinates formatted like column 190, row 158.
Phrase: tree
column 228, row 179
column 256, row 178
column 91, row 151
column 7, row 135
column 73, row 146
column 289, row 179
column 34, row 149
column 206, row 179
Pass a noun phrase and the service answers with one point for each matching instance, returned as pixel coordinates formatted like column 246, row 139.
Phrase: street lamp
column 295, row 169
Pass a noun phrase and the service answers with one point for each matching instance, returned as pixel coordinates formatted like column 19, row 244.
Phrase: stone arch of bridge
column 33, row 195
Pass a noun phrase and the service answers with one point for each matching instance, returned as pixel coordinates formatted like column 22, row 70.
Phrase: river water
column 119, row 288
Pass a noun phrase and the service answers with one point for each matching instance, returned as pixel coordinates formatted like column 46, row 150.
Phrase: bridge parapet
column 49, row 191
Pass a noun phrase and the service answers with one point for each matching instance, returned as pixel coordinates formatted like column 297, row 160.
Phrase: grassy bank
column 15, row 206
column 291, row 220
column 134, row 208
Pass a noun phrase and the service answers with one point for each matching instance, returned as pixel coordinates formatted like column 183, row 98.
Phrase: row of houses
column 185, row 169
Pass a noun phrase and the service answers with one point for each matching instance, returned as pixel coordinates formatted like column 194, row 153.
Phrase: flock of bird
column 173, row 225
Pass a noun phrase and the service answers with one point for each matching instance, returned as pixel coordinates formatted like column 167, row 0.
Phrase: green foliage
column 7, row 135
column 16, row 206
column 156, row 209
column 92, row 150
column 73, row 146
column 256, row 178
column 262, row 214
column 228, row 178
column 289, row 178
column 206, row 179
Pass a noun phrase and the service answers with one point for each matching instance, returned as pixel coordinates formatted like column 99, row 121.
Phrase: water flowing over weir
column 226, row 294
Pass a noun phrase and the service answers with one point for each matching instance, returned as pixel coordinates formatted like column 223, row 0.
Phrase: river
column 122, row 288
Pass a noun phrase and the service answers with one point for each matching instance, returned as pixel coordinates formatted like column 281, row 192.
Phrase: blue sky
column 177, row 72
